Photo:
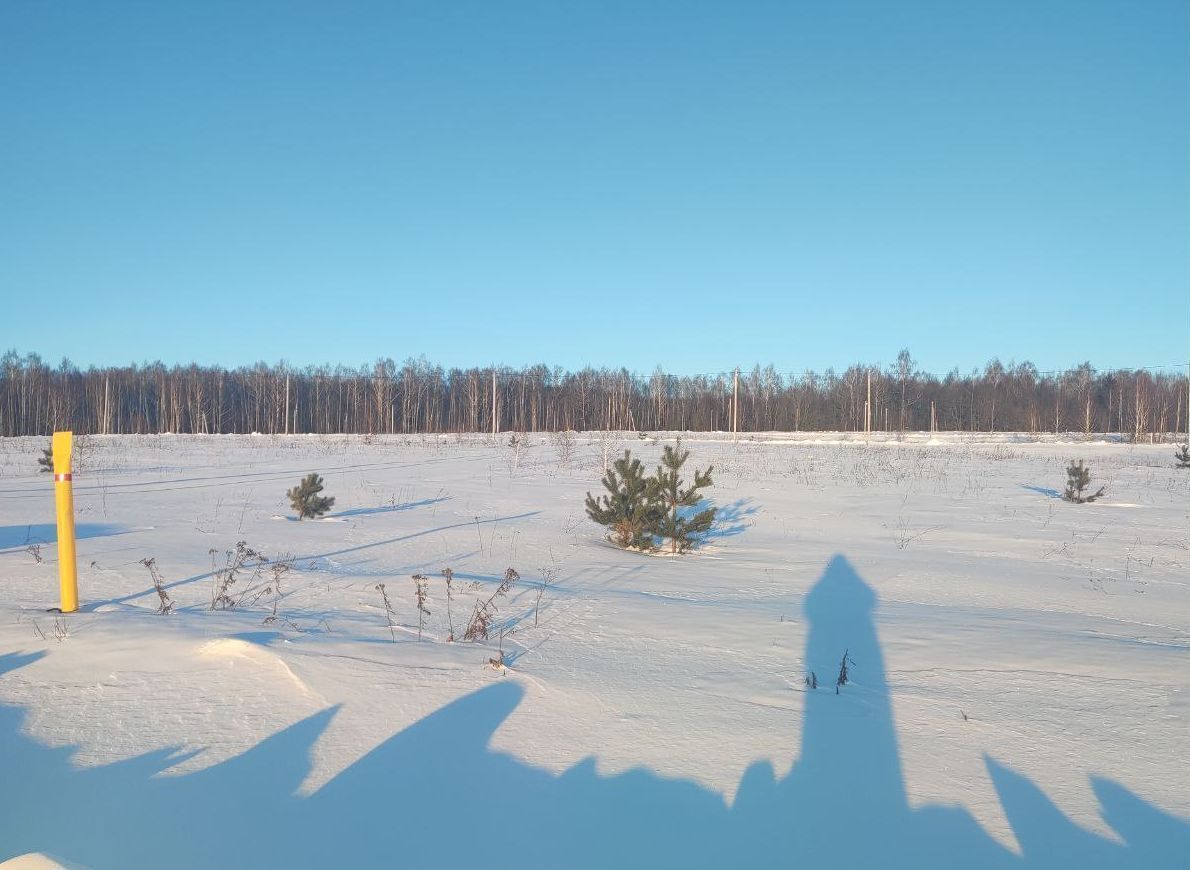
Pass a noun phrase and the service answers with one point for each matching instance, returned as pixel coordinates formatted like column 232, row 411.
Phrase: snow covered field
column 1020, row 691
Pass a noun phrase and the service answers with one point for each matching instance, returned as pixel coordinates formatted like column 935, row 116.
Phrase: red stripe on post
column 59, row 478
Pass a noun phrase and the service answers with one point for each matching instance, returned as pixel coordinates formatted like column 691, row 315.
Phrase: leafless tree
column 415, row 396
column 564, row 446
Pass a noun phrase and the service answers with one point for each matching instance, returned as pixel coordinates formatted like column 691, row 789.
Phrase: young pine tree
column 682, row 532
column 1078, row 478
column 1182, row 455
column 46, row 460
column 632, row 507
column 306, row 500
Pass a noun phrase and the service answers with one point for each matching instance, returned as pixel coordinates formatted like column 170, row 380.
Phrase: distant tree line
column 416, row 396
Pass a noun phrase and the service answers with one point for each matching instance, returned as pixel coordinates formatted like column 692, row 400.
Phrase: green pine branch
column 305, row 498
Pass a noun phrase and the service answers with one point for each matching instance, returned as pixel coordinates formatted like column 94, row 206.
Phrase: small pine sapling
column 421, row 594
column 305, row 498
column 682, row 532
column 46, row 460
column 516, row 444
column 632, row 507
column 1078, row 478
column 1182, row 455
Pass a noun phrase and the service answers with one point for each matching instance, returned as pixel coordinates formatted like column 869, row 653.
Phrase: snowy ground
column 1020, row 691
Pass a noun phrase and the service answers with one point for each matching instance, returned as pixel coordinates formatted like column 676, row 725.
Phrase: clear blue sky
column 691, row 184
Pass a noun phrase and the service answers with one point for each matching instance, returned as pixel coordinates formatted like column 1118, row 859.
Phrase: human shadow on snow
column 438, row 794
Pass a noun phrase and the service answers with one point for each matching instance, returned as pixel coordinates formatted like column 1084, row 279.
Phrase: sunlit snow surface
column 1019, row 695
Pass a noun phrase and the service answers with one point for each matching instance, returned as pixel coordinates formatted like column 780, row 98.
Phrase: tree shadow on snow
column 19, row 537
column 437, row 793
column 730, row 519
column 1042, row 490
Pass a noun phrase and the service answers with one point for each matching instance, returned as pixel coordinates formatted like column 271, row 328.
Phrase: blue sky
column 692, row 184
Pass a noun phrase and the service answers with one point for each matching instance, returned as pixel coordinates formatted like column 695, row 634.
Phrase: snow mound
column 237, row 648
column 34, row 861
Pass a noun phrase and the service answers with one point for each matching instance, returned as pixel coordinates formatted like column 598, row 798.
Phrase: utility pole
column 868, row 406
column 735, row 404
column 495, row 419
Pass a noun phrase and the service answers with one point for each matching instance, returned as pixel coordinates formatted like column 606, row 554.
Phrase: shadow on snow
column 731, row 519
column 314, row 557
column 1042, row 490
column 387, row 508
column 14, row 537
column 436, row 793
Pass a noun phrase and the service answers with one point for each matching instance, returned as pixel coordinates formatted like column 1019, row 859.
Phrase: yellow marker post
column 64, row 498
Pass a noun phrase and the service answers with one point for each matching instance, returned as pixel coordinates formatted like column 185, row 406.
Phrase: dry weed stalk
column 388, row 611
column 547, row 577
column 479, row 626
column 449, row 576
column 421, row 595
column 166, row 606
column 844, row 674
column 235, row 563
